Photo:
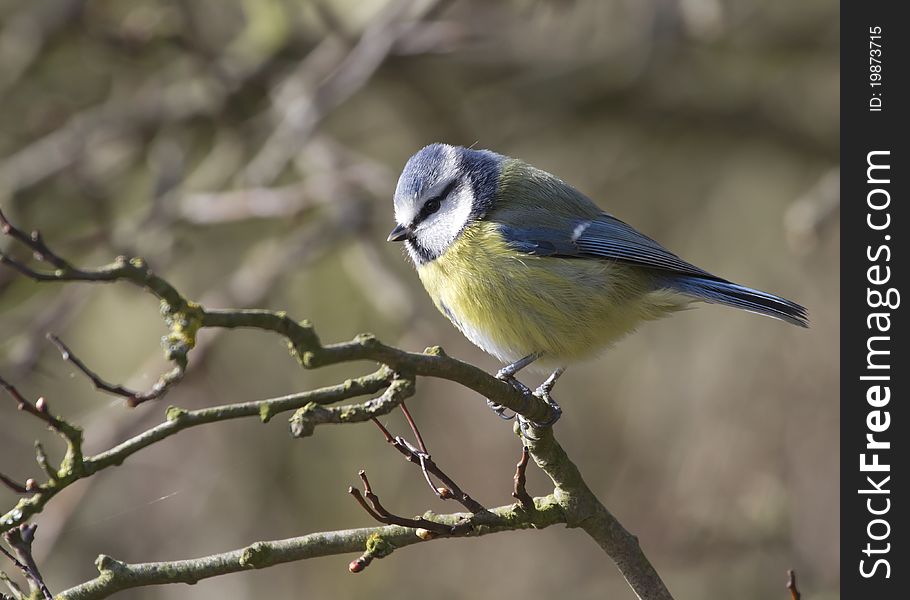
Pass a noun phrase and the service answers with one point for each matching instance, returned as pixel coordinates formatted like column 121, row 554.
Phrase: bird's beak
column 400, row 233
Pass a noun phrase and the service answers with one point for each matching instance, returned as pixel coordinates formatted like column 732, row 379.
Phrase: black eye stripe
column 433, row 204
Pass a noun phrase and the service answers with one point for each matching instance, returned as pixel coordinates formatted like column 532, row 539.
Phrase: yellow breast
column 511, row 304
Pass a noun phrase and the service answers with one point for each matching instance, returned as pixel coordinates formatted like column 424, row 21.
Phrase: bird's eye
column 431, row 206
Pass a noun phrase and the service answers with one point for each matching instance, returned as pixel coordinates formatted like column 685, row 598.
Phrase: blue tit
column 532, row 271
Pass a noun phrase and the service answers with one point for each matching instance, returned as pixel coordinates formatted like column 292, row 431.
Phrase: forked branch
column 571, row 502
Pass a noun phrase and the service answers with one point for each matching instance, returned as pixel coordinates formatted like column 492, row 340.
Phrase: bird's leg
column 507, row 374
column 543, row 392
column 547, row 386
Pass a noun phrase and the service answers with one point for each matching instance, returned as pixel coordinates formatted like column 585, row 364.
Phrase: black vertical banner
column 874, row 366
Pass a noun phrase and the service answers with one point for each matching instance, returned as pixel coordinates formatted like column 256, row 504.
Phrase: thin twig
column 74, row 459
column 415, row 456
column 453, row 490
column 791, row 585
column 33, row 241
column 44, row 462
column 13, row 587
column 376, row 510
column 39, row 409
column 16, row 487
column 20, row 540
column 422, row 455
column 133, row 397
column 12, row 558
column 519, row 492
column 413, row 425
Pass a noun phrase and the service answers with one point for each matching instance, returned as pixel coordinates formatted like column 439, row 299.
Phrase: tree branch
column 584, row 510
column 178, row 420
column 571, row 502
column 185, row 318
column 115, row 576
column 433, row 362
column 20, row 540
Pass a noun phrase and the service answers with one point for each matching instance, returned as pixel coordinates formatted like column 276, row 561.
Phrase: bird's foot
column 526, row 424
column 507, row 374
column 543, row 392
column 508, row 377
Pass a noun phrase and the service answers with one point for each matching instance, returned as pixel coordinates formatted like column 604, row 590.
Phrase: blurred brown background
column 248, row 149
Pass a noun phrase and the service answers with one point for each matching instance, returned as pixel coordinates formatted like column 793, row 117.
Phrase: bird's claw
column 543, row 392
column 509, row 377
column 500, row 410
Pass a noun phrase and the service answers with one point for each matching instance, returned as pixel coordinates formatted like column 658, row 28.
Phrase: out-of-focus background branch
column 250, row 148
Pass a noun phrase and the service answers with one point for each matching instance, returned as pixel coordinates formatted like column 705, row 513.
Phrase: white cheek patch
column 439, row 230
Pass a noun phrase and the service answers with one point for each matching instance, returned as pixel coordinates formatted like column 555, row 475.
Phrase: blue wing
column 602, row 237
column 606, row 237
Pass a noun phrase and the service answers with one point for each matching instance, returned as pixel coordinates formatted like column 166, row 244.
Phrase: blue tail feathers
column 730, row 294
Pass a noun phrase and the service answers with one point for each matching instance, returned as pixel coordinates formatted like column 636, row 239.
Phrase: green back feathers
column 523, row 187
